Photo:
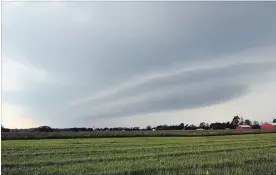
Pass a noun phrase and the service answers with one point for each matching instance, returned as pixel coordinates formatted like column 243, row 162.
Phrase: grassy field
column 108, row 134
column 236, row 154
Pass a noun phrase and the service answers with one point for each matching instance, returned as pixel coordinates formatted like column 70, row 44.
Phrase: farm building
column 243, row 127
column 269, row 126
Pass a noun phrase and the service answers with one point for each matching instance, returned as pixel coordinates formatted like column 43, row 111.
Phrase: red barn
column 243, row 127
column 269, row 126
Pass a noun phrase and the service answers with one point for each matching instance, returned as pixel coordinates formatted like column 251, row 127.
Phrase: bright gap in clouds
column 14, row 116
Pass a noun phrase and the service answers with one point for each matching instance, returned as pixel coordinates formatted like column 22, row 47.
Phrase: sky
column 111, row 64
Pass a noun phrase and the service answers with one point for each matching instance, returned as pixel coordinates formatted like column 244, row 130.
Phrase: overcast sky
column 108, row 64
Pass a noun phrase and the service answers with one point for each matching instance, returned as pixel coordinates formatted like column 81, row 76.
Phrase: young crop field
column 112, row 134
column 236, row 154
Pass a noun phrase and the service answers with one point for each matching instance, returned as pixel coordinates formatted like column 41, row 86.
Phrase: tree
column 228, row 125
column 149, row 127
column 3, row 129
column 218, row 125
column 235, row 122
column 186, row 126
column 45, row 129
column 274, row 120
column 181, row 126
column 207, row 126
column 202, row 125
column 192, row 127
column 241, row 121
column 247, row 122
column 255, row 123
column 135, row 128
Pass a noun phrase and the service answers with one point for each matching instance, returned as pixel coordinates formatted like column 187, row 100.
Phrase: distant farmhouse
column 269, row 126
column 243, row 127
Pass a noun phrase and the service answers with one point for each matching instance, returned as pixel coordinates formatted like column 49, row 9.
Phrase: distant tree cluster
column 172, row 127
column 213, row 126
column 3, row 129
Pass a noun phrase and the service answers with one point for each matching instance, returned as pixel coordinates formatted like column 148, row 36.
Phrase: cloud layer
column 180, row 90
column 77, row 63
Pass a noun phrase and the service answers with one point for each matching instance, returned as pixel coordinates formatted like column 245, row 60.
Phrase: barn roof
column 246, row 126
column 274, row 124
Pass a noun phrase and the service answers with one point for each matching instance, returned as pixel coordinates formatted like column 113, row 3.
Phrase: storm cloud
column 180, row 90
column 71, row 62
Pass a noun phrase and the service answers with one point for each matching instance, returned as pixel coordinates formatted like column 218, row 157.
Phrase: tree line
column 205, row 126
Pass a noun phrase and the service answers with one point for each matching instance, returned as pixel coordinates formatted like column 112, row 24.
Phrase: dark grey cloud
column 176, row 100
column 184, row 90
column 184, row 78
column 125, row 38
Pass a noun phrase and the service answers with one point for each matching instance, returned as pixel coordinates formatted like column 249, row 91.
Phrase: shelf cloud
column 111, row 63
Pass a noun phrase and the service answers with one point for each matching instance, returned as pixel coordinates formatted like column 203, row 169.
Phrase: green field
column 112, row 134
column 237, row 154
